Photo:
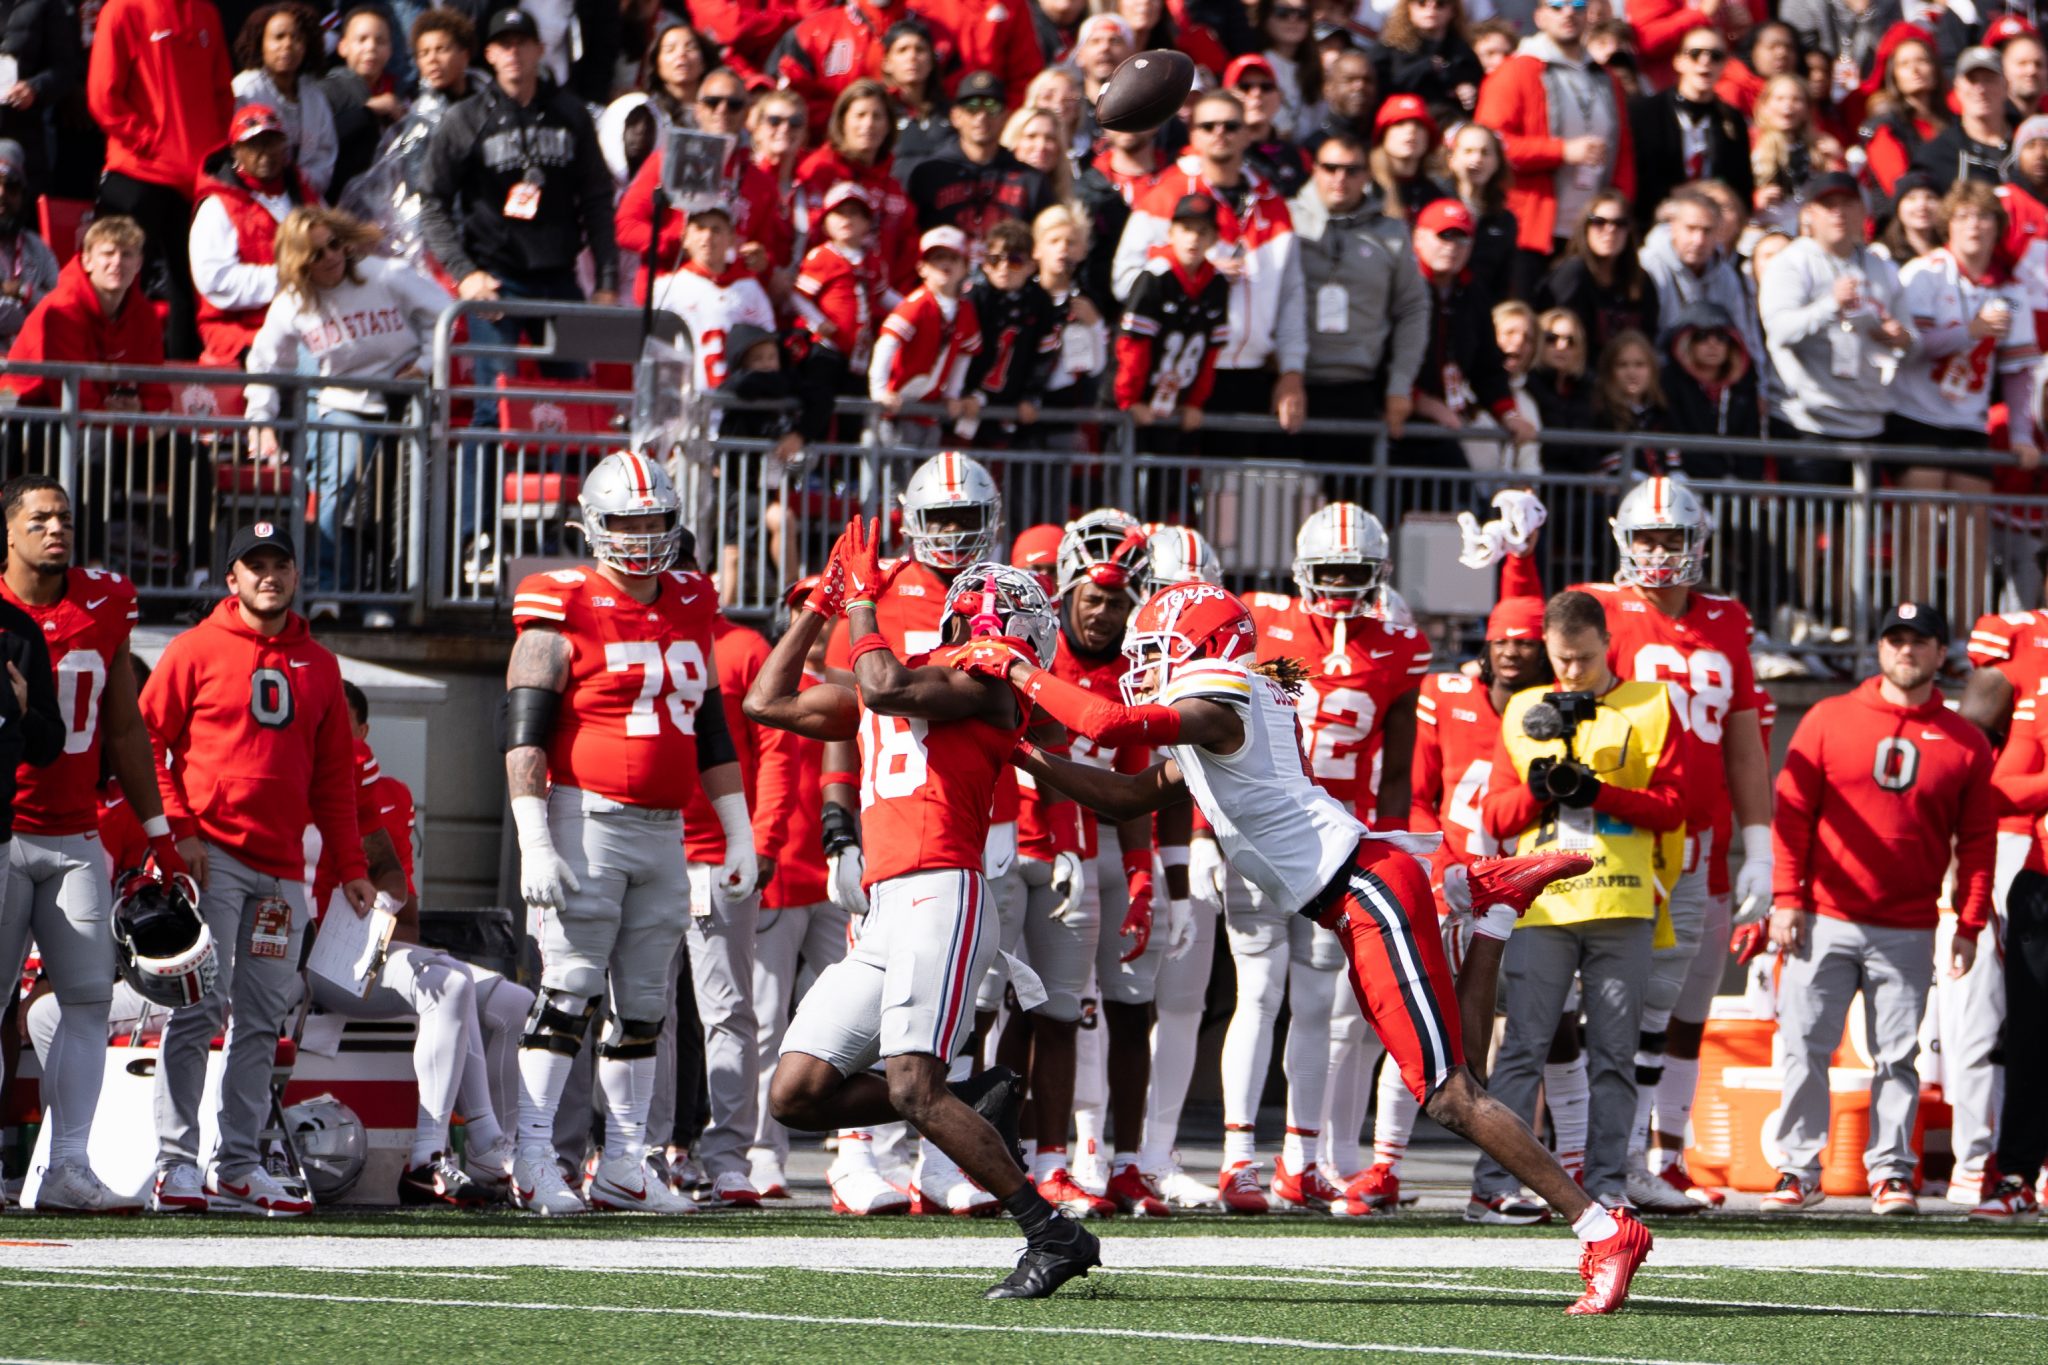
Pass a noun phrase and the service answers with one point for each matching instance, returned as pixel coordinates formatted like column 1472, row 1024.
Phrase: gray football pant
column 792, row 947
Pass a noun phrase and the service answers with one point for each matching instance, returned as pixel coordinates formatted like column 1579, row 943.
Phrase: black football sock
column 1032, row 1212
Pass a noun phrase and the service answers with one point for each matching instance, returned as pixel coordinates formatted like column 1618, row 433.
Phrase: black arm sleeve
column 43, row 726
column 714, row 740
column 526, row 718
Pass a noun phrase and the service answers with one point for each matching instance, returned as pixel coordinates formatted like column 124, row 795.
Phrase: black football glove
column 1539, row 778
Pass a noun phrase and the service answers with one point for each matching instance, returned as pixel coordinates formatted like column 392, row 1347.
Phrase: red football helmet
column 1180, row 623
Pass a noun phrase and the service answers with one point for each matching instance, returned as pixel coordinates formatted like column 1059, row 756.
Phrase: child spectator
column 1628, row 397
column 271, row 53
column 1514, row 331
column 442, row 40
column 362, row 93
column 1710, row 385
column 1060, row 244
column 1562, row 389
column 95, row 316
column 859, row 140
column 840, row 290
column 754, row 374
column 927, row 343
column 28, row 268
column 1175, row 324
column 1020, row 326
column 713, row 293
column 246, row 190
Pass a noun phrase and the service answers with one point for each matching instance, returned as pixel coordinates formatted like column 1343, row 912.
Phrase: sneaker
column 1068, row 1250
column 858, row 1188
column 687, row 1176
column 627, row 1184
column 1305, row 1190
column 734, row 1191
column 659, row 1168
column 1893, row 1198
column 1516, row 881
column 1089, row 1170
column 1134, row 1193
column 2010, row 1201
column 1607, row 1266
column 178, row 1189
column 539, row 1186
column 1678, row 1178
column 1238, row 1188
column 1790, row 1196
column 1967, row 1189
column 1506, row 1211
column 490, row 1170
column 1182, row 1190
column 940, row 1187
column 71, row 1187
column 255, row 1191
column 1375, row 1190
column 1060, row 1190
column 1652, row 1195
column 441, row 1181
column 767, row 1176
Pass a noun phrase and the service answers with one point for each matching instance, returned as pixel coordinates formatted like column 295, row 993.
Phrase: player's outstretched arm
column 1107, row 793
column 778, row 698
column 1191, row 721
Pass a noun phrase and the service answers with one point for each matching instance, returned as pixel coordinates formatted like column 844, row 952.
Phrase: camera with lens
column 1559, row 715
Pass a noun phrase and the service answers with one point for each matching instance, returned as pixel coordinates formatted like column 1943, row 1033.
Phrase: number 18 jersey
column 85, row 629
column 637, row 674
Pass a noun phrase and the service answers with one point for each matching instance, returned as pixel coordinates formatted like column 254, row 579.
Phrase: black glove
column 839, row 830
column 1574, row 785
column 1539, row 778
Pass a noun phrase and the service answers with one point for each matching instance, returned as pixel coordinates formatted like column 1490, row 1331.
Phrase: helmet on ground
column 952, row 512
column 332, row 1145
column 163, row 946
column 1178, row 554
column 628, row 484
column 1662, row 504
column 1340, row 560
column 1177, row 625
column 1105, row 547
column 998, row 599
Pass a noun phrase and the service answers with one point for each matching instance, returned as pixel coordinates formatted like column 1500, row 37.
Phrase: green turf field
column 792, row 1285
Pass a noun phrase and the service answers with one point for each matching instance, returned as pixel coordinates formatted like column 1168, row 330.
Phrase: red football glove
column 1137, row 924
column 860, row 556
column 163, row 849
column 827, row 598
column 1749, row 942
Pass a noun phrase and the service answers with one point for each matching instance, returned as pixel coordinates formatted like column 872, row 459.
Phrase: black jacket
column 1952, row 155
column 1602, row 312
column 36, row 737
column 1660, row 152
column 481, row 150
column 1461, row 334
column 1434, row 71
column 1107, row 214
column 1020, row 342
column 947, row 188
column 1731, row 407
column 42, row 37
column 1564, row 405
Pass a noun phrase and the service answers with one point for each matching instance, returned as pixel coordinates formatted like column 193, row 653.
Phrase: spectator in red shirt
column 840, row 299
column 95, row 316
column 926, row 345
column 860, row 140
column 248, row 188
column 747, row 31
column 1911, row 107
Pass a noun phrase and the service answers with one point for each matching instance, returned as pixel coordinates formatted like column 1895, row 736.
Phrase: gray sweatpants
column 1611, row 958
column 1893, row 968
column 722, row 965
column 262, row 986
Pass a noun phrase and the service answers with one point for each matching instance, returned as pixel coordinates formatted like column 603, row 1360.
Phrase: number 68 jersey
column 85, row 630
column 637, row 674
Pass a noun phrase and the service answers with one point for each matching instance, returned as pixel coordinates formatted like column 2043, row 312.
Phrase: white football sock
column 1344, row 1100
column 1175, row 1036
column 1568, row 1095
column 628, row 1096
column 443, row 1000
column 1395, row 1124
column 71, row 1083
column 1675, row 1095
column 1049, row 1162
column 1239, row 1144
column 1248, row 1042
column 1121, row 1159
column 1306, row 1059
column 542, row 1075
column 1595, row 1225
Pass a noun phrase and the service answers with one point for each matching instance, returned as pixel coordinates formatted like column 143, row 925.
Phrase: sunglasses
column 1016, row 260
column 330, row 247
column 1341, row 167
column 1706, row 54
column 723, row 101
column 1289, row 12
column 1229, row 125
column 1564, row 4
column 1561, row 338
column 982, row 104
column 1598, row 220
column 782, row 120
column 1257, row 87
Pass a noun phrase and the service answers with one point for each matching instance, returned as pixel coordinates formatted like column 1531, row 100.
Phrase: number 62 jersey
column 637, row 674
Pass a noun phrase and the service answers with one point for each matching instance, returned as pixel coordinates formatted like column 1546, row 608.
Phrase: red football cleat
column 1678, row 1178
column 1515, row 882
column 1375, row 1190
column 1133, row 1192
column 1238, row 1188
column 1608, row 1266
column 1061, row 1191
column 1305, row 1188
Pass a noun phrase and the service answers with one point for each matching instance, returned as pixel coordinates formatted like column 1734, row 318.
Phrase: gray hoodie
column 1384, row 324
column 1678, row 288
column 1804, row 329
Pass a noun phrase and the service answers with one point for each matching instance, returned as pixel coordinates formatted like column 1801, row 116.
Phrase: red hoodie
column 68, row 327
column 252, row 734
column 159, row 84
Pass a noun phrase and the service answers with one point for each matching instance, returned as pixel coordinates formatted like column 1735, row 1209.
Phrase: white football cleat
column 1089, row 1170
column 767, row 1176
column 491, row 1168
column 178, row 1190
column 71, row 1187
column 1182, row 1190
column 626, row 1184
column 539, row 1186
column 942, row 1187
column 255, row 1191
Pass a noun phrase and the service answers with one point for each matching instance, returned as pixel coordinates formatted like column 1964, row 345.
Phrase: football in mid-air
column 1145, row 91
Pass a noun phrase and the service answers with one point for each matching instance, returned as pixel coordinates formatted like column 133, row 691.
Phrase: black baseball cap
column 1922, row 617
column 511, row 24
column 1833, row 182
column 1195, row 208
column 743, row 338
column 261, row 535
column 979, row 85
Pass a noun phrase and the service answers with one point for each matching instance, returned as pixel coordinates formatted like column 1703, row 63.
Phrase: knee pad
column 629, row 1040
column 559, row 1022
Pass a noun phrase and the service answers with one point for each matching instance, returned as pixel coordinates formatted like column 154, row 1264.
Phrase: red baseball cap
column 1446, row 215
column 1036, row 546
column 1515, row 618
column 254, row 120
column 2005, row 28
column 1403, row 109
column 1250, row 61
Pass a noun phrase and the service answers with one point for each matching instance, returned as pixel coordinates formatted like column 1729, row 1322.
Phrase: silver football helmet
column 1342, row 536
column 332, row 1144
column 1662, row 504
column 1105, row 547
column 952, row 512
column 628, row 484
column 1177, row 554
column 996, row 599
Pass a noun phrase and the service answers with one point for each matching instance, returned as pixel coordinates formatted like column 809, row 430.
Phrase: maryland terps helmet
column 997, row 599
column 1105, row 547
column 1662, row 505
column 1181, row 622
column 1176, row 554
column 952, row 512
column 628, row 484
column 161, row 943
column 1342, row 535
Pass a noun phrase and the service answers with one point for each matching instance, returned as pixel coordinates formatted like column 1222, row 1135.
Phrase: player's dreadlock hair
column 1291, row 675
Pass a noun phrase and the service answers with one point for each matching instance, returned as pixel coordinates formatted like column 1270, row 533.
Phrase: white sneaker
column 539, row 1186
column 942, row 1187
column 734, row 1191
column 1182, row 1190
column 767, row 1176
column 1652, row 1195
column 71, row 1187
column 491, row 1167
column 255, row 1191
column 178, row 1190
column 1089, row 1170
column 624, row 1184
column 1966, row 1189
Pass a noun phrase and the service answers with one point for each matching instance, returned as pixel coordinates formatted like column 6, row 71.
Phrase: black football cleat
column 1071, row 1250
column 997, row 1094
column 441, row 1182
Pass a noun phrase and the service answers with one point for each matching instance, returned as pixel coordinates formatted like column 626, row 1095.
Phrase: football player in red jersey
column 1360, row 695
column 1229, row 730
column 1664, row 629
column 933, row 734
column 61, row 896
column 613, row 719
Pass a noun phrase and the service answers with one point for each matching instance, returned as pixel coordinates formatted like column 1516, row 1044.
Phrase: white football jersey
column 711, row 308
column 1957, row 389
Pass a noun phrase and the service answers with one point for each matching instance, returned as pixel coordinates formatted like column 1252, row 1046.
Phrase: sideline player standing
column 1230, row 732
column 58, row 892
column 247, row 716
column 612, row 719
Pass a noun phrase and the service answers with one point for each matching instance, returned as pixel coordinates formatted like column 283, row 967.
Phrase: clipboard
column 349, row 949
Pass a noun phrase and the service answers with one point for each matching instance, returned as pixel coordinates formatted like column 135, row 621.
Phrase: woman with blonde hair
column 1058, row 88
column 1033, row 136
column 1787, row 150
column 358, row 318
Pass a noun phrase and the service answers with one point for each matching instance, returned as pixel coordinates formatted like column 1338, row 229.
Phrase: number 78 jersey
column 637, row 674
column 85, row 630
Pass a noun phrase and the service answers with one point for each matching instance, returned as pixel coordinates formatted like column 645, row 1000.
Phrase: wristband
column 847, row 607
column 1173, row 855
column 1756, row 842
column 157, row 827
column 1496, row 922
column 865, row 645
column 1137, row 861
column 839, row 779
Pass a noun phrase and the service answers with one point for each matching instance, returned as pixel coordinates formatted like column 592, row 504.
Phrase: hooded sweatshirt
column 253, row 743
column 1678, row 288
column 1704, row 403
column 1829, row 382
column 160, row 85
column 69, row 327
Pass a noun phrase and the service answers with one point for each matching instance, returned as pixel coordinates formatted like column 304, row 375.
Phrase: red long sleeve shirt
column 741, row 652
column 1873, row 801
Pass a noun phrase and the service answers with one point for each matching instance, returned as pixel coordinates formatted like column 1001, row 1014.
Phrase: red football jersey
column 1456, row 733
column 924, row 345
column 637, row 674
column 1059, row 825
column 741, row 652
column 2016, row 644
column 86, row 629
column 381, row 803
column 847, row 288
column 926, row 788
column 789, row 789
column 2020, row 777
column 1359, row 666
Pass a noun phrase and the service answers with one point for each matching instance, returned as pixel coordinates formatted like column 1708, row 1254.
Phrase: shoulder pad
column 546, row 597
column 1210, row 680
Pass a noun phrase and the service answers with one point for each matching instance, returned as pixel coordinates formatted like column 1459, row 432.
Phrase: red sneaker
column 1060, row 1190
column 1238, row 1188
column 1375, row 1190
column 1133, row 1192
column 1515, row 882
column 1306, row 1189
column 1678, row 1178
column 1608, row 1266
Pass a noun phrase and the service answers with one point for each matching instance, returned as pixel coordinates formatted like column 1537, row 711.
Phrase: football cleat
column 940, row 1187
column 1652, row 1195
column 1517, row 881
column 539, row 1186
column 767, row 1176
column 2010, row 1201
column 1133, row 1192
column 628, row 1184
column 490, row 1169
column 255, row 1191
column 1375, row 1190
column 1089, row 1170
column 1792, row 1195
column 686, row 1175
column 1238, row 1188
column 997, row 1094
column 1182, row 1190
column 734, row 1191
column 1060, row 1190
column 178, row 1190
column 1607, row 1266
column 71, row 1187
column 441, row 1181
column 1678, row 1178
column 1893, row 1198
column 1068, row 1250
column 1306, row 1190
column 858, row 1189
column 1506, row 1211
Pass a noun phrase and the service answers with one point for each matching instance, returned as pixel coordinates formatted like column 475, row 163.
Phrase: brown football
column 1145, row 91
